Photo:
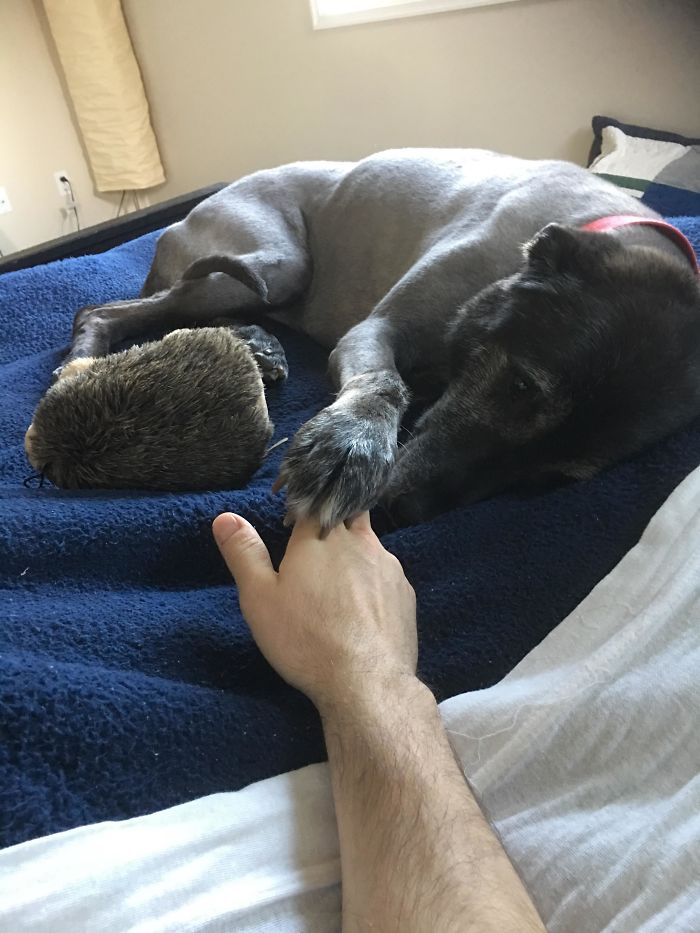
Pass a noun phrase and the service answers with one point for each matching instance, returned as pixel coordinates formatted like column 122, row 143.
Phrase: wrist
column 373, row 696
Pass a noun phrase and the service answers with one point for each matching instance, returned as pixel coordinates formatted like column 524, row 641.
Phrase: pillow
column 663, row 169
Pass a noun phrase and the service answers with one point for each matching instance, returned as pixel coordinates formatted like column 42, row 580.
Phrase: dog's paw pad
column 268, row 352
column 272, row 368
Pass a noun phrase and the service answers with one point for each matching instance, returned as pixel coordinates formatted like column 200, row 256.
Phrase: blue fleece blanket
column 128, row 680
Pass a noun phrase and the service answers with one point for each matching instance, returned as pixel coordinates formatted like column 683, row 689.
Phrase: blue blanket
column 128, row 680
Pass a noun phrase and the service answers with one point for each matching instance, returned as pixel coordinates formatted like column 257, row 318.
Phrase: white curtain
column 108, row 96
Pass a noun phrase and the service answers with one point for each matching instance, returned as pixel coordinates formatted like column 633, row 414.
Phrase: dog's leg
column 96, row 331
column 209, row 288
column 239, row 252
column 340, row 460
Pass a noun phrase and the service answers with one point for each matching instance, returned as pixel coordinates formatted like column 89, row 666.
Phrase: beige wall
column 235, row 85
column 37, row 136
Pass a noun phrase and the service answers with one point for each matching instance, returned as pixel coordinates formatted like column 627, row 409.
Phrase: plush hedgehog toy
column 184, row 412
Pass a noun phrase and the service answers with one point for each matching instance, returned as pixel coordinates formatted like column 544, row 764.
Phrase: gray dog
column 547, row 351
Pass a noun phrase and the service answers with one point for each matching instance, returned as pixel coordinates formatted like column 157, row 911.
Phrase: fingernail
column 224, row 526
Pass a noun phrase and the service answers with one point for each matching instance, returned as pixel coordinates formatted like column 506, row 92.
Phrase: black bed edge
column 111, row 233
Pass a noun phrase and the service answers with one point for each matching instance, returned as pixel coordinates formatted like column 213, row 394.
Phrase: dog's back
column 444, row 223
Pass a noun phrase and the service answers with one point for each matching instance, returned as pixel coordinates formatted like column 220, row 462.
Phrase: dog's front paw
column 336, row 466
column 268, row 352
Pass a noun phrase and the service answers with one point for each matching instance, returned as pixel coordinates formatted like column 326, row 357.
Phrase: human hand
column 338, row 619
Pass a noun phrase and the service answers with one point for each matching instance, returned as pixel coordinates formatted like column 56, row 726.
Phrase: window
column 328, row 13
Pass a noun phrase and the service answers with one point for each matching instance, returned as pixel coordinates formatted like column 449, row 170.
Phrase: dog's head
column 588, row 354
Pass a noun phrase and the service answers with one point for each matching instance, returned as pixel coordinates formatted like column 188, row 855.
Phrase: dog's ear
column 564, row 250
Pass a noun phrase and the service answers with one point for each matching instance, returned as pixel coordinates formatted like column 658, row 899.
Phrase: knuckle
column 245, row 543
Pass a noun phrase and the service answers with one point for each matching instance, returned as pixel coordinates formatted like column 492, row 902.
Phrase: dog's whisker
column 275, row 445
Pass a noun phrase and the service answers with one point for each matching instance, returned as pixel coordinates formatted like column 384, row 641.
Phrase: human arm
column 338, row 623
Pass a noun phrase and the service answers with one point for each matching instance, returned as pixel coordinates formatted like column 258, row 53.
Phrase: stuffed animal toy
column 185, row 412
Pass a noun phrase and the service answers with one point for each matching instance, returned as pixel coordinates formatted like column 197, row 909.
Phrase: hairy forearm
column 417, row 853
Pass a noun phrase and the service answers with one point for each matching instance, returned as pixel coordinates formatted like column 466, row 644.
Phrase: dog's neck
column 647, row 232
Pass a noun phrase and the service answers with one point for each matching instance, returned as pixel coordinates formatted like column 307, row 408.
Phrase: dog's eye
column 521, row 388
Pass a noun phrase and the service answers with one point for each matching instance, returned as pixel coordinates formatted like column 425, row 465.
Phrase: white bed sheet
column 586, row 758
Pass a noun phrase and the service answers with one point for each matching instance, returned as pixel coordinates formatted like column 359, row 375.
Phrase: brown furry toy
column 182, row 413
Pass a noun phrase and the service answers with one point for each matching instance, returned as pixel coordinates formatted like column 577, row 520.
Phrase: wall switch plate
column 5, row 206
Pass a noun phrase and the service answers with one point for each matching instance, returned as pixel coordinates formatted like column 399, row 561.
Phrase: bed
column 584, row 758
column 128, row 680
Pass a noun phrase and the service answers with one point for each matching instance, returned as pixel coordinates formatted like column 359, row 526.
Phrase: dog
column 545, row 351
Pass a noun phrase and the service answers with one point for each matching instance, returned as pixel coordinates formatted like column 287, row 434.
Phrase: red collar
column 621, row 220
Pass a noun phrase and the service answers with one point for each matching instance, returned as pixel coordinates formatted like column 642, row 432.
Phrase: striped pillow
column 664, row 173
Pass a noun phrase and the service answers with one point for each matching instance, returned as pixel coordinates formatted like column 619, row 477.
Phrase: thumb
column 243, row 550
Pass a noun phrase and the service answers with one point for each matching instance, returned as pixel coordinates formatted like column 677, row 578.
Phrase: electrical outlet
column 63, row 187
column 5, row 206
